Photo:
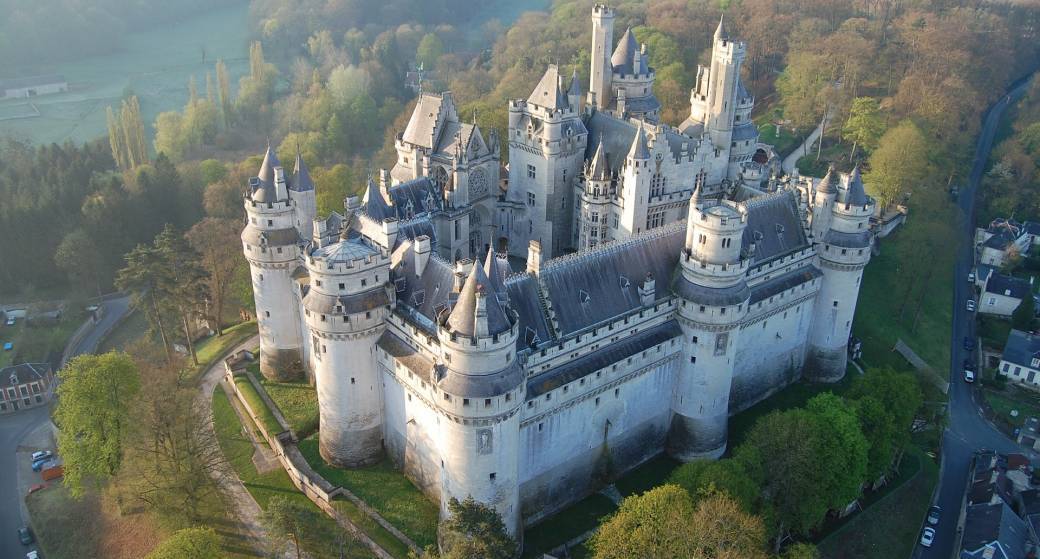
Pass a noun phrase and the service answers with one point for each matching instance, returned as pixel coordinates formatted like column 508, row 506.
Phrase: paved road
column 790, row 163
column 968, row 431
column 13, row 429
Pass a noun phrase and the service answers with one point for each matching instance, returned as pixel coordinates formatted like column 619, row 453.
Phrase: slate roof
column 548, row 93
column 429, row 294
column 406, row 355
column 414, row 227
column 639, row 149
column 497, row 270
column 1021, row 347
column 618, row 136
column 455, row 138
column 525, row 300
column 1009, row 286
column 599, row 167
column 994, row 524
column 854, row 194
column 322, row 303
column 25, row 372
column 720, row 31
column 301, row 177
column 745, row 131
column 1003, row 233
column 420, row 194
column 601, row 358
column 776, row 219
column 344, row 251
column 859, row 239
column 826, row 184
column 623, row 59
column 784, row 282
column 423, row 122
column 462, row 319
column 265, row 191
column 374, row 205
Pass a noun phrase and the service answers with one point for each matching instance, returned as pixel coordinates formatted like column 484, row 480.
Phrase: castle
column 669, row 283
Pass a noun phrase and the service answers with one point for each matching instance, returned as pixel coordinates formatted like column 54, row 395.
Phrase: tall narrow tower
column 301, row 191
column 271, row 243
column 347, row 304
column 602, row 43
column 714, row 301
column 843, row 250
column 726, row 58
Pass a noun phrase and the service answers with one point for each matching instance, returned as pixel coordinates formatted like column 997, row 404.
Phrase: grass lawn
column 65, row 527
column 786, row 141
column 325, row 536
column 297, row 401
column 993, row 331
column 213, row 347
column 267, row 418
column 385, row 489
column 1013, row 399
column 890, row 527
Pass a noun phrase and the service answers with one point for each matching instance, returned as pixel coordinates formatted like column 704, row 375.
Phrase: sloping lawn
column 297, row 400
column 211, row 348
column 249, row 393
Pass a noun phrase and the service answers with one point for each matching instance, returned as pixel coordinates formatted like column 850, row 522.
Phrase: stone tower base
column 697, row 438
column 351, row 449
column 825, row 365
column 281, row 364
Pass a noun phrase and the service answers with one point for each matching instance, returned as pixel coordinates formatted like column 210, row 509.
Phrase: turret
column 271, row 243
column 301, row 191
column 346, row 307
column 481, row 389
column 843, row 250
column 595, row 199
column 823, row 204
column 714, row 294
column 634, row 184
column 724, row 76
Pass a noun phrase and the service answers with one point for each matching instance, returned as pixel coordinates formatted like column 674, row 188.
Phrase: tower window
column 835, row 303
column 540, row 425
column 597, row 400
column 267, row 314
column 465, row 401
column 352, row 380
column 531, row 172
column 270, row 222
column 530, row 199
column 491, row 476
column 617, row 392
column 487, row 402
column 694, row 340
column 342, row 286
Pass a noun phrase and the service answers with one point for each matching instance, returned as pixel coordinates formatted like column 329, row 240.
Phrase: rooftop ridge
column 765, row 199
column 614, row 246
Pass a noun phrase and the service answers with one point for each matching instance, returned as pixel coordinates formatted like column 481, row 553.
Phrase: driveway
column 115, row 310
column 968, row 431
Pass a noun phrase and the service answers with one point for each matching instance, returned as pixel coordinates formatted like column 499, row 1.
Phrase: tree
column 1024, row 315
column 430, row 50
column 801, row 551
column 701, row 477
column 217, row 243
column 184, row 281
column 224, row 93
column 899, row 165
column 664, row 523
column 291, row 518
column 802, row 89
column 473, row 530
column 865, row 124
column 94, row 399
column 145, row 278
column 885, row 401
column 80, row 258
column 189, row 543
column 841, row 449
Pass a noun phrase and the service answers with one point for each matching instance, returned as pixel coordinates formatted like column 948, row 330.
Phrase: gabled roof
column 547, row 93
column 426, row 123
column 774, row 225
column 374, row 205
column 997, row 526
column 414, row 197
column 1021, row 347
column 1008, row 286
column 463, row 317
column 23, row 373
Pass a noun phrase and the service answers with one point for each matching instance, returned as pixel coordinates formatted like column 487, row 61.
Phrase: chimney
column 647, row 291
column 422, row 253
column 480, row 322
column 384, row 183
column 462, row 269
column 534, row 257
column 351, row 203
column 280, row 189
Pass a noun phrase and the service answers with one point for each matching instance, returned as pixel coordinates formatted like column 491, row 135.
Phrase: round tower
column 482, row 388
column 715, row 297
column 271, row 244
column 843, row 250
column 345, row 309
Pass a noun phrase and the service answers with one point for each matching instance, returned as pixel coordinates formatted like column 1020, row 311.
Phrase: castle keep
column 669, row 283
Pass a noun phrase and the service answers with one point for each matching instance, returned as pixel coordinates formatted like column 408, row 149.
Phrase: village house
column 25, row 386
column 1003, row 240
column 1003, row 294
column 1021, row 359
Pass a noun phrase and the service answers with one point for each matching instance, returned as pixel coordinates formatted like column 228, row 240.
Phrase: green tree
column 728, row 476
column 146, row 278
column 801, row 88
column 801, row 551
column 189, row 543
column 665, row 523
column 473, row 531
column 842, row 450
column 1024, row 315
column 430, row 50
column 79, row 257
column 900, row 164
column 885, row 401
column 183, row 281
column 224, row 93
column 865, row 125
column 291, row 518
column 216, row 241
column 94, row 399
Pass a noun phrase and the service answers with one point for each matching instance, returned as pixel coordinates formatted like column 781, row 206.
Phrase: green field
column 154, row 64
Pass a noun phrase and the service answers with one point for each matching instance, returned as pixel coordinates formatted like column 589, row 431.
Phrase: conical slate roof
column 624, row 55
column 599, row 168
column 463, row 317
column 575, row 88
column 547, row 94
column 374, row 205
column 639, row 149
column 495, row 274
column 302, row 178
column 720, row 32
column 265, row 192
column 826, row 185
column 695, row 198
column 856, row 194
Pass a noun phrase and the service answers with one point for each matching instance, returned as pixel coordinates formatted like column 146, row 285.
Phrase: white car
column 969, row 376
column 41, row 454
column 32, row 555
column 971, row 305
column 928, row 536
column 971, row 277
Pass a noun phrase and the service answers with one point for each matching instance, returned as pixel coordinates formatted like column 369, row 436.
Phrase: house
column 1020, row 361
column 32, row 86
column 25, row 386
column 994, row 531
column 1003, row 239
column 1030, row 435
column 1003, row 294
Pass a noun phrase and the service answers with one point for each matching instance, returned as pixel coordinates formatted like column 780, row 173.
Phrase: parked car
column 933, row 515
column 10, row 321
column 971, row 277
column 32, row 555
column 969, row 344
column 25, row 536
column 971, row 305
column 41, row 454
column 43, row 464
column 928, row 536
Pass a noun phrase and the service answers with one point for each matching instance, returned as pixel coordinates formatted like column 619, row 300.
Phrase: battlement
column 602, row 11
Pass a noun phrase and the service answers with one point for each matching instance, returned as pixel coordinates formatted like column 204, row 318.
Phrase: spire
column 826, row 185
column 575, row 89
column 720, row 33
column 265, row 189
column 624, row 54
column 494, row 274
column 599, row 168
column 856, row 194
column 476, row 313
column 302, row 178
column 695, row 198
column 639, row 149
column 374, row 205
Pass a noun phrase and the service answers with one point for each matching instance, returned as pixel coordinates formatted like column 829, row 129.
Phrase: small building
column 1020, row 361
column 994, row 531
column 1003, row 294
column 31, row 86
column 25, row 386
column 1004, row 238
column 1029, row 435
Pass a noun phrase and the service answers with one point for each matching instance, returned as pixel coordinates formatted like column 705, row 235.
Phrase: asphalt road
column 968, row 431
column 15, row 426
